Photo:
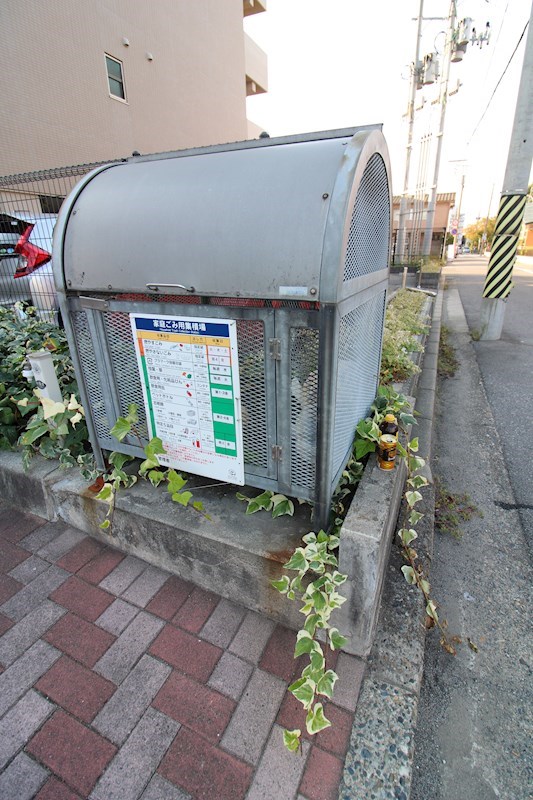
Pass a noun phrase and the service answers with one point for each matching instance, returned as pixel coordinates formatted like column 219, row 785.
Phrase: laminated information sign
column 190, row 378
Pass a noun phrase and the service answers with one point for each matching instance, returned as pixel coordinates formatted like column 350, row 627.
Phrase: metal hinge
column 276, row 452
column 274, row 348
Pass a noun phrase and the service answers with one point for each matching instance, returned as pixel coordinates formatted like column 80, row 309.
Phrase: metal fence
column 29, row 204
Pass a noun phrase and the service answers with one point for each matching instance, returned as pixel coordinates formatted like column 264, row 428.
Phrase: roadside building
column 416, row 224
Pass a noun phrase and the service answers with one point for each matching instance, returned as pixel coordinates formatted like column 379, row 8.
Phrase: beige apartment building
column 84, row 81
column 416, row 224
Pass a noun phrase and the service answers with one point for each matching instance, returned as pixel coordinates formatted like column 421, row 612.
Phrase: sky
column 343, row 63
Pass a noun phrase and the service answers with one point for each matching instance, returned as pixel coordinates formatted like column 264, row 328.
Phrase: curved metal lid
column 243, row 220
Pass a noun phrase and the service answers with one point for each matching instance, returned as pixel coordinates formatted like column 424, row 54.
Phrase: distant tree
column 474, row 232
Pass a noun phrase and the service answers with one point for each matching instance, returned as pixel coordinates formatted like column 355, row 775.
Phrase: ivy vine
column 150, row 469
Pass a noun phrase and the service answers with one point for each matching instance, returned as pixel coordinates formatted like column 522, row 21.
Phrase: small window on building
column 50, row 204
column 115, row 77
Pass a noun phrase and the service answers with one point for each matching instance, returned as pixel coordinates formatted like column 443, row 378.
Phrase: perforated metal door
column 109, row 366
column 360, row 335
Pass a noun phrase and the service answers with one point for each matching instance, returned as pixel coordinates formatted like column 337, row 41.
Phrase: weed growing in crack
column 452, row 510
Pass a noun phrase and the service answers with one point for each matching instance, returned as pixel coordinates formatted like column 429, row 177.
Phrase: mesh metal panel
column 368, row 240
column 304, row 401
column 124, row 358
column 90, row 373
column 357, row 371
column 251, row 347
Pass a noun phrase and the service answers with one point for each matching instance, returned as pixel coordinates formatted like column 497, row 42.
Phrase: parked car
column 26, row 262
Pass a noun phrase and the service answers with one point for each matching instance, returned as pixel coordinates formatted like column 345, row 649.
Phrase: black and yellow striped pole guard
column 498, row 282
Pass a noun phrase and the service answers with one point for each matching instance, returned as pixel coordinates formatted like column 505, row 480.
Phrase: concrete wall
column 56, row 106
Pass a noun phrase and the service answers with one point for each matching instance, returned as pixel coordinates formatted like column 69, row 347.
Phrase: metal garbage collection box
column 236, row 294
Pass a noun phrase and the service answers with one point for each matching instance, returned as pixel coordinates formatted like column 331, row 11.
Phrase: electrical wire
column 495, row 46
column 500, row 80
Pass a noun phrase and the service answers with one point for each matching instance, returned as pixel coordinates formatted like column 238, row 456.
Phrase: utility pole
column 513, row 198
column 415, row 72
column 430, row 217
column 455, row 245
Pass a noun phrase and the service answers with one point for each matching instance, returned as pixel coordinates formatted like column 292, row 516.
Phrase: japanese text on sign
column 190, row 378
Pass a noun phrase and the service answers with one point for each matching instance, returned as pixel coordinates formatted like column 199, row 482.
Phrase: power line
column 501, row 78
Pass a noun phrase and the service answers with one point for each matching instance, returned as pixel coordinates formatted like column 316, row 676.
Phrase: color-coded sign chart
column 190, row 377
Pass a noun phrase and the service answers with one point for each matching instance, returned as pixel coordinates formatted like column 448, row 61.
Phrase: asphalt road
column 473, row 734
column 507, row 371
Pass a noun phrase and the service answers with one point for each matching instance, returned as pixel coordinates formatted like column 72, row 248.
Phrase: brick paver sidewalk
column 119, row 681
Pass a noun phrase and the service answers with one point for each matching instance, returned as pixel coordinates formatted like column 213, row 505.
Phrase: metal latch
column 274, row 348
column 94, row 302
column 276, row 452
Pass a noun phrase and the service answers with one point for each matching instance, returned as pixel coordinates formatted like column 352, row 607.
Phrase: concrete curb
column 380, row 756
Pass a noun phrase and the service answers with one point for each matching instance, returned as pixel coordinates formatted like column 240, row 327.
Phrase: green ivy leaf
column 424, row 585
column 338, row 578
column 119, row 459
column 132, row 415
column 418, row 481
column 304, row 692
column 282, row 506
column 31, row 435
column 105, row 524
column 368, row 429
column 264, row 500
column 297, row 561
column 402, row 452
column 154, row 448
column 326, row 683
column 336, row 640
column 414, row 517
column 416, row 463
column 413, row 445
column 320, row 600
column 304, row 643
column 409, row 574
column 407, row 535
column 182, row 497
column 413, row 498
column 282, row 585
column 291, row 739
column 105, row 493
column 310, row 623
column 363, row 447
column 407, row 419
column 317, row 660
column 315, row 720
column 155, row 477
column 147, row 465
column 309, row 538
column 121, row 428
column 176, row 482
